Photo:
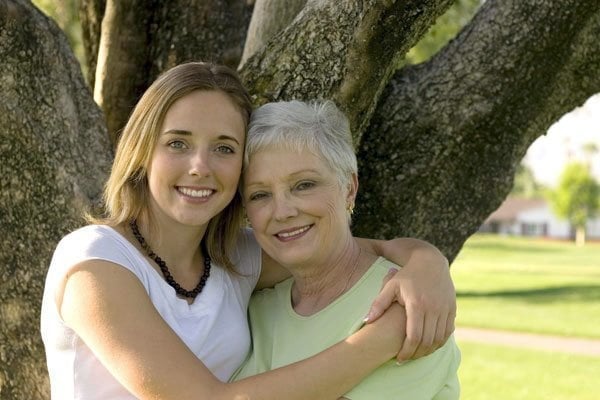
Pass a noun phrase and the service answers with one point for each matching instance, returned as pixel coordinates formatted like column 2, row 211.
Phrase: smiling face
column 296, row 206
column 196, row 163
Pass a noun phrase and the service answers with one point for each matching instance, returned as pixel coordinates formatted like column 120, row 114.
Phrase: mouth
column 195, row 193
column 294, row 233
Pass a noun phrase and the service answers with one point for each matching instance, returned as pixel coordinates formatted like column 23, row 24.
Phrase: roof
column 512, row 206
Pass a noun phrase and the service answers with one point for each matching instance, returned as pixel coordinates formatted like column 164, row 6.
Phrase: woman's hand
column 387, row 332
column 424, row 287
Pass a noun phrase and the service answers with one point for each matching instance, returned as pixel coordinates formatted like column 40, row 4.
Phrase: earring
column 350, row 208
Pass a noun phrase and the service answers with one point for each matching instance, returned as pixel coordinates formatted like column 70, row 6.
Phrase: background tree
column 576, row 198
column 525, row 184
column 438, row 142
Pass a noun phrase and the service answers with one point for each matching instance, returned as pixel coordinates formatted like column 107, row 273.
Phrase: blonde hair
column 126, row 193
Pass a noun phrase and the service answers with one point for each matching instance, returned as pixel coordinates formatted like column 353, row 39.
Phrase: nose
column 283, row 207
column 200, row 163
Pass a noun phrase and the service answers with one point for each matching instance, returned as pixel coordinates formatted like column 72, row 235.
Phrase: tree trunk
column 580, row 236
column 55, row 156
column 269, row 18
column 441, row 150
column 141, row 39
column 91, row 13
column 121, row 70
column 345, row 51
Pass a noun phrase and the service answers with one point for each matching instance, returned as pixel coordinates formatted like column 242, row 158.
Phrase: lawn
column 529, row 285
column 490, row 372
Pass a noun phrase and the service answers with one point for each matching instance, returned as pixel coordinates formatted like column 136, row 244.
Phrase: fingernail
column 392, row 270
column 366, row 318
column 400, row 363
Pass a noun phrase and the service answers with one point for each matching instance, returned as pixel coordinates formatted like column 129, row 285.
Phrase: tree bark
column 123, row 55
column 269, row 18
column 141, row 39
column 55, row 156
column 345, row 51
column 441, row 150
column 91, row 13
column 199, row 30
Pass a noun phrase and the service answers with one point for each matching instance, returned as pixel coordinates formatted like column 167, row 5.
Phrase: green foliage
column 66, row 14
column 525, row 184
column 445, row 29
column 577, row 197
column 528, row 285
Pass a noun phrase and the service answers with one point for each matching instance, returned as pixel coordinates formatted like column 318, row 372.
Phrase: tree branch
column 345, row 51
column 268, row 18
column 442, row 148
column 121, row 70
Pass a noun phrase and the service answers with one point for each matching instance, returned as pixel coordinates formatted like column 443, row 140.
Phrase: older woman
column 299, row 188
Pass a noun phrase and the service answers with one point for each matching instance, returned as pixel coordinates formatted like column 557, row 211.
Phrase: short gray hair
column 319, row 127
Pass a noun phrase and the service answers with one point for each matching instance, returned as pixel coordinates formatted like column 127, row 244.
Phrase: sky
column 564, row 142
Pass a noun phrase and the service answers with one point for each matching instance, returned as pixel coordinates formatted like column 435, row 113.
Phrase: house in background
column 533, row 217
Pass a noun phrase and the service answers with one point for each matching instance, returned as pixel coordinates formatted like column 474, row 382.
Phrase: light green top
column 280, row 337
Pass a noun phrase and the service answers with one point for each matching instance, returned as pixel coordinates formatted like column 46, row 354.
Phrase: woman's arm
column 424, row 287
column 109, row 309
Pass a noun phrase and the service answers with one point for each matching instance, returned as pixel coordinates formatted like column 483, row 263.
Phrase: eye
column 257, row 196
column 304, row 185
column 177, row 144
column 225, row 149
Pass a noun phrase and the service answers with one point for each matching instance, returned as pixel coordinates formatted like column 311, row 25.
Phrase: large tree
column 438, row 142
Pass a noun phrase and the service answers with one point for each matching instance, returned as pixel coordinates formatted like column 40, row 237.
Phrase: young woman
column 149, row 301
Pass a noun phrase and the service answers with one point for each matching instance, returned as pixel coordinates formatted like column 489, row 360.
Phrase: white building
column 533, row 217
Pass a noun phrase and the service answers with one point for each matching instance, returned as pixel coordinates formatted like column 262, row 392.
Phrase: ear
column 352, row 190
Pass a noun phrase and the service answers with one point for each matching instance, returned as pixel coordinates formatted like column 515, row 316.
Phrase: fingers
column 428, row 338
column 450, row 324
column 384, row 299
column 425, row 332
column 387, row 277
column 414, row 333
column 440, row 333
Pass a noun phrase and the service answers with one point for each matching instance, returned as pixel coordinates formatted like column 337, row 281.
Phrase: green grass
column 528, row 285
column 490, row 372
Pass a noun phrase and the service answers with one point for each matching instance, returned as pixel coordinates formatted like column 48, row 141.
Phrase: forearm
column 329, row 374
column 405, row 251
column 424, row 286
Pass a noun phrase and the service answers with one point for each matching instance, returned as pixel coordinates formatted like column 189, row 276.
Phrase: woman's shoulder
column 90, row 233
column 100, row 242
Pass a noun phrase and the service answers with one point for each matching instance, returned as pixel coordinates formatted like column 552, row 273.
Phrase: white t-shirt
column 214, row 326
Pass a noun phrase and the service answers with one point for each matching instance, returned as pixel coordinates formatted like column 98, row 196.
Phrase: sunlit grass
column 490, row 372
column 529, row 285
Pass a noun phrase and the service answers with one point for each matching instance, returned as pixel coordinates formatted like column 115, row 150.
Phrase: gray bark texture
column 269, row 18
column 121, row 71
column 344, row 51
column 441, row 150
column 91, row 13
column 55, row 155
column 141, row 39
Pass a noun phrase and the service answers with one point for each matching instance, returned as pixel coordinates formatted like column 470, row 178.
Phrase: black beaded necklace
column 165, row 270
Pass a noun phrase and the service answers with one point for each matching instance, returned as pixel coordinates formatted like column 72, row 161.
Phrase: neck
column 177, row 245
column 317, row 286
